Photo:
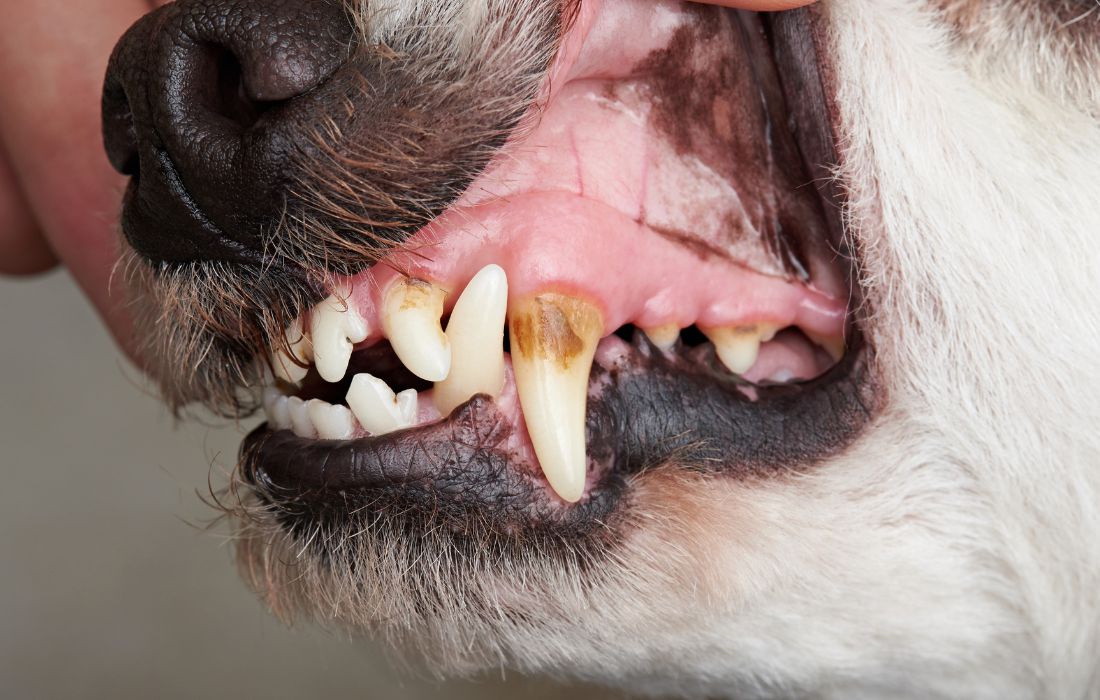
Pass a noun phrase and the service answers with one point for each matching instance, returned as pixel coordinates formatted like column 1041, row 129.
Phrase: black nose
column 201, row 108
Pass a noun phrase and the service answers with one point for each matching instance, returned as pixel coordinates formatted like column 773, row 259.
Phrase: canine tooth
column 300, row 422
column 553, row 341
column 275, row 408
column 410, row 317
column 739, row 346
column 301, row 348
column 832, row 344
column 331, row 422
column 476, row 335
column 335, row 327
column 374, row 404
column 664, row 337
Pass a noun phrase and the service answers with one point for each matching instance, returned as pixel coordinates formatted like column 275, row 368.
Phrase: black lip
column 653, row 409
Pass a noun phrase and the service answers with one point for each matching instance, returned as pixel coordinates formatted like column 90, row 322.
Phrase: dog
column 802, row 351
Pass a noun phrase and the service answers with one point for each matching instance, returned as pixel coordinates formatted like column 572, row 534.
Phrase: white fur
column 951, row 551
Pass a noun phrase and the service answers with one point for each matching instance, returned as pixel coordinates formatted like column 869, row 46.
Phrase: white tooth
column 300, row 422
column 336, row 327
column 407, row 403
column 664, row 337
column 280, row 416
column 300, row 347
column 331, row 422
column 832, row 344
column 374, row 404
column 275, row 408
column 476, row 334
column 410, row 317
column 553, row 340
column 739, row 346
column 271, row 395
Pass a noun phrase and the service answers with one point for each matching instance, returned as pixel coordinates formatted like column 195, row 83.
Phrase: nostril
column 231, row 98
column 120, row 134
column 201, row 101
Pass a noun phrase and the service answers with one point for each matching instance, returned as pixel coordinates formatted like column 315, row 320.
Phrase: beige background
column 107, row 589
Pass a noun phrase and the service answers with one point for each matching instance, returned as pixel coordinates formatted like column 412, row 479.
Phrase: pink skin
column 571, row 208
column 662, row 283
column 59, row 198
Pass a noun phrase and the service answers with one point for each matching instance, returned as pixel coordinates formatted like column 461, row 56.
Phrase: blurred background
column 109, row 586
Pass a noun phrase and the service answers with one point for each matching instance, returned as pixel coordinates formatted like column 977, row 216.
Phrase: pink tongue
column 610, row 197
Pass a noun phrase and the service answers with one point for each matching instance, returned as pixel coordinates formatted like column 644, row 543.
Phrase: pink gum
column 563, row 243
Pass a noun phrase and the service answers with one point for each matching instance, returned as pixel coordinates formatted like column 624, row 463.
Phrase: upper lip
column 649, row 408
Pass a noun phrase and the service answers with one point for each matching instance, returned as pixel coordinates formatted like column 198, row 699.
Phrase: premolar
column 378, row 409
column 476, row 334
column 331, row 422
column 553, row 342
column 664, row 337
column 739, row 346
column 300, row 421
column 832, row 344
column 335, row 327
column 411, row 313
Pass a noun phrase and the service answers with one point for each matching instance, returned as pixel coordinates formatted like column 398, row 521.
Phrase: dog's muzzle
column 206, row 104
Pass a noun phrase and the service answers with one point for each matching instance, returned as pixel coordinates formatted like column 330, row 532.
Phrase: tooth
column 300, row 347
column 300, row 422
column 374, row 404
column 664, row 337
column 331, row 422
column 832, row 344
column 739, row 346
column 275, row 408
column 553, row 340
column 407, row 402
column 476, row 334
column 410, row 317
column 335, row 327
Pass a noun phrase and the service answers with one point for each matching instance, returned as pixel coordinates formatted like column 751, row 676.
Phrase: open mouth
column 649, row 275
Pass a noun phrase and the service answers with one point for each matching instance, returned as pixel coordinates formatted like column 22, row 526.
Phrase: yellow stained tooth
column 476, row 334
column 832, row 344
column 411, row 312
column 664, row 337
column 739, row 346
column 553, row 342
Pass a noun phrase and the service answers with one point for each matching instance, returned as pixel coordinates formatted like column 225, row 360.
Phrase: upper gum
column 634, row 274
column 539, row 256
